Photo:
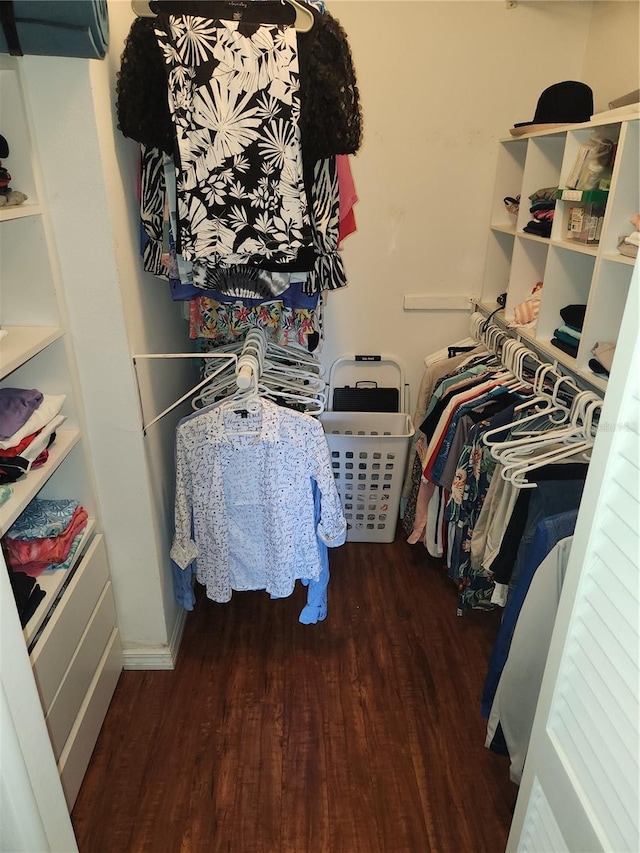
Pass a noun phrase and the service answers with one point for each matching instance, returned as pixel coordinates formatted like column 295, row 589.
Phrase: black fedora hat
column 568, row 102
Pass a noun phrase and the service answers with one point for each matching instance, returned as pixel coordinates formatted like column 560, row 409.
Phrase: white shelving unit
column 72, row 638
column 595, row 275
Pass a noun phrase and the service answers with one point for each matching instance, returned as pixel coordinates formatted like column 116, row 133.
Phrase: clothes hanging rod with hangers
column 303, row 21
column 539, row 349
column 248, row 368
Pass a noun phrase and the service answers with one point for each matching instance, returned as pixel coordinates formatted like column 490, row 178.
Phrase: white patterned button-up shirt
column 244, row 503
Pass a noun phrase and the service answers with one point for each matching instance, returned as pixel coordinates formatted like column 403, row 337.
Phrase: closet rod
column 249, row 363
column 228, row 358
column 542, row 354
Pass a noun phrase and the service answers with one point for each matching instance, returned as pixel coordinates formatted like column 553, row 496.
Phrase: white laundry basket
column 368, row 455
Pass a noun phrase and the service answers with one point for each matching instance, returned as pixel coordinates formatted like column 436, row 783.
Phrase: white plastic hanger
column 543, row 421
column 244, row 401
column 554, row 445
column 222, row 386
column 282, row 374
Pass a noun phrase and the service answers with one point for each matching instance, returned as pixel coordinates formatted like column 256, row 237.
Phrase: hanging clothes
column 329, row 122
column 244, row 503
column 516, row 696
column 213, row 323
column 330, row 111
column 548, row 531
column 473, row 476
column 434, row 373
column 234, row 102
column 316, row 608
column 488, row 525
column 348, row 198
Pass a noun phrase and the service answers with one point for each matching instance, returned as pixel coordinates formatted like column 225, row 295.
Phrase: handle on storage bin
column 403, row 396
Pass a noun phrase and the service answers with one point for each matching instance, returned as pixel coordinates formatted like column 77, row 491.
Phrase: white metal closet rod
column 227, row 357
column 539, row 353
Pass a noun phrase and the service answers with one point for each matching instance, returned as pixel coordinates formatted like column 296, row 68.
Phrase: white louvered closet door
column 579, row 790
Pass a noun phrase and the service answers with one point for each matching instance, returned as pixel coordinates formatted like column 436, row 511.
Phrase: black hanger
column 453, row 350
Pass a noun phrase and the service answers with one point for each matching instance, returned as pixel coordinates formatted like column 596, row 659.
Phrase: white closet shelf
column 573, row 272
column 547, row 347
column 574, row 246
column 617, row 258
column 52, row 585
column 598, row 382
column 26, row 489
column 533, row 238
column 19, row 211
column 23, row 342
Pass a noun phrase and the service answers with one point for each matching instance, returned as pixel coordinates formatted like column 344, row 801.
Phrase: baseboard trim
column 157, row 657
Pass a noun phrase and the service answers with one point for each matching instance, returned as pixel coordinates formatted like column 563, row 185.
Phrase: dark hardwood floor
column 361, row 734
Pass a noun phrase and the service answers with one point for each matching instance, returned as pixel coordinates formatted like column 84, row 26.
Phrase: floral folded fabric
column 43, row 519
column 54, row 567
column 34, row 556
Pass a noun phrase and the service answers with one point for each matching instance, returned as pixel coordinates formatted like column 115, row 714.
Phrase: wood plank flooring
column 361, row 734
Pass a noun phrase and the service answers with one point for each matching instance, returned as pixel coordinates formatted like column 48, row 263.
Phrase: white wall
column 612, row 58
column 440, row 82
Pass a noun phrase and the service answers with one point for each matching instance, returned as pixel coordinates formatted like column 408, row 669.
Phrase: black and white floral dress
column 233, row 92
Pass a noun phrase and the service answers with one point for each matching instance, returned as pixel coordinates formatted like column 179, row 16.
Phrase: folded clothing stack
column 543, row 203
column 567, row 335
column 27, row 593
column 45, row 537
column 28, row 423
column 628, row 245
column 602, row 359
column 525, row 315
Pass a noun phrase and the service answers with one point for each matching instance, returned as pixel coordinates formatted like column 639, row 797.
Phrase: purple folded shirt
column 16, row 407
